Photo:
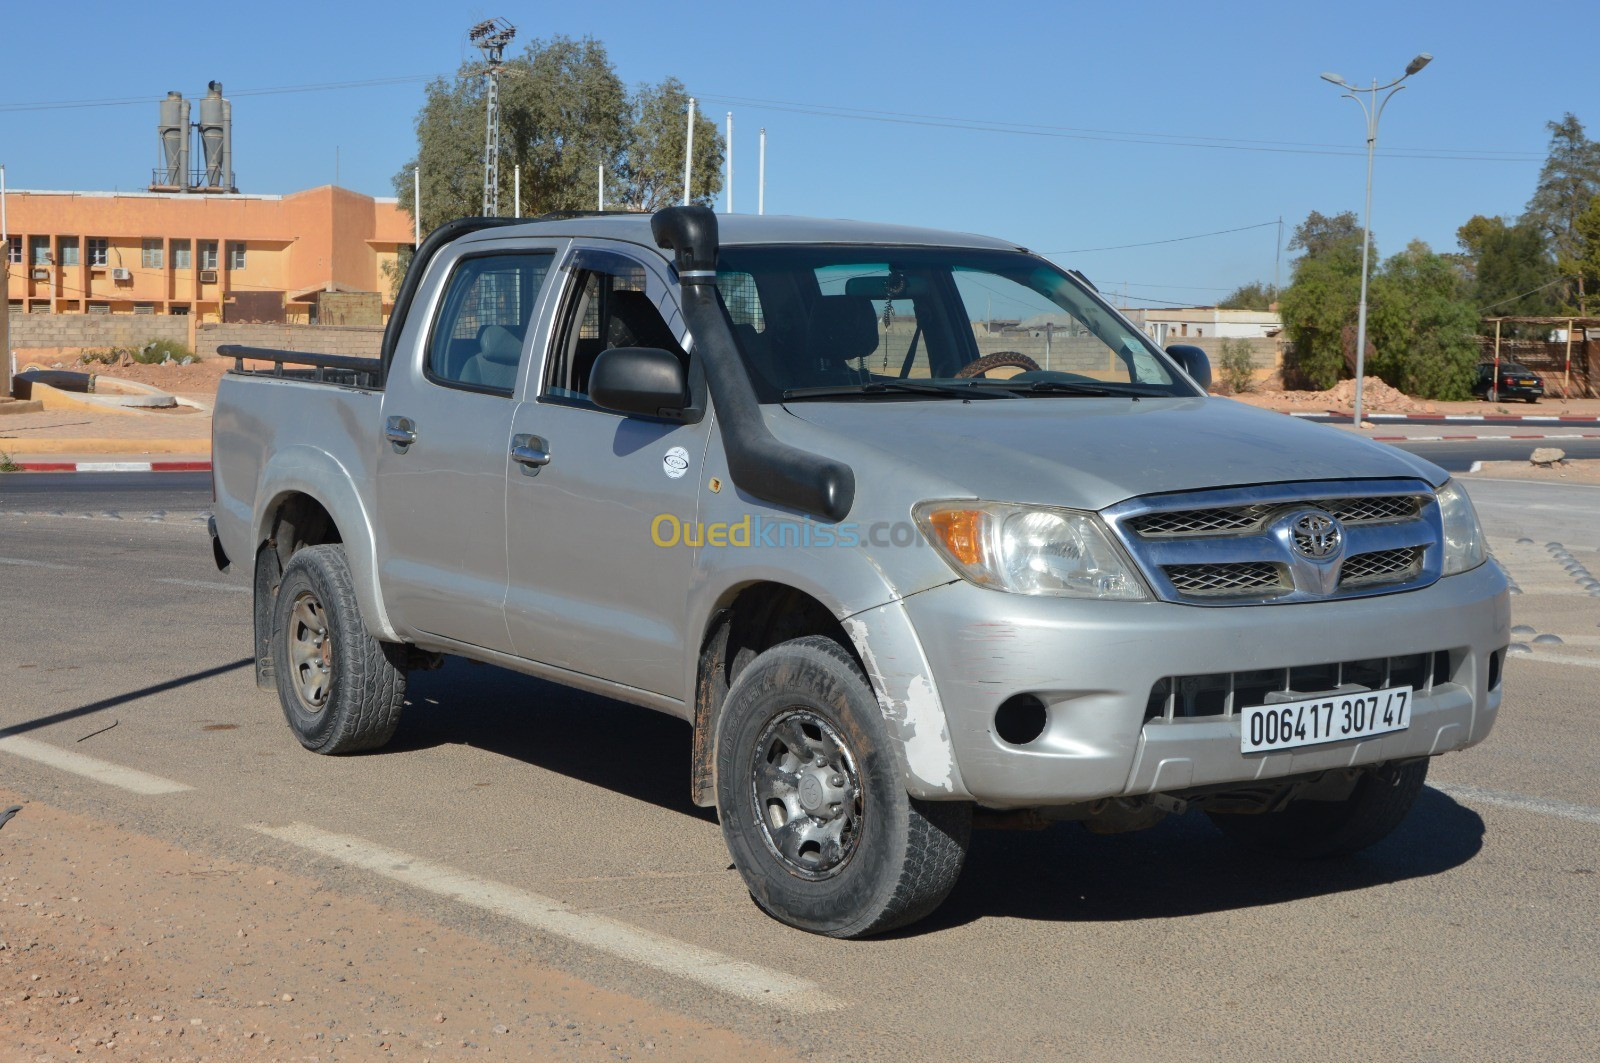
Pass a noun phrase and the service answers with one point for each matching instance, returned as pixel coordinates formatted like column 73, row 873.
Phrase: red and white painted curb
column 114, row 466
column 1437, row 418
column 1497, row 439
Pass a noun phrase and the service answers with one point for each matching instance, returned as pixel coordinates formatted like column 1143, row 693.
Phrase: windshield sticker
column 675, row 463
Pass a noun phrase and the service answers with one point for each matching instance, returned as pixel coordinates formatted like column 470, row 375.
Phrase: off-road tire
column 1314, row 830
column 998, row 360
column 366, row 683
column 908, row 853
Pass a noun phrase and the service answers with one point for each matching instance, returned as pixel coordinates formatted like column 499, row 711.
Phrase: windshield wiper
column 897, row 387
column 1058, row 387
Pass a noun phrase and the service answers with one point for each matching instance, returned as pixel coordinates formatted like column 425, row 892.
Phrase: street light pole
column 1372, row 109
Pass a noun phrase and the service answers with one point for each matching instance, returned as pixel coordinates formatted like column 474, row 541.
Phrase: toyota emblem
column 1317, row 536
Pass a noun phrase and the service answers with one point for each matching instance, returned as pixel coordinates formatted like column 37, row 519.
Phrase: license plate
column 1527, row 383
column 1330, row 718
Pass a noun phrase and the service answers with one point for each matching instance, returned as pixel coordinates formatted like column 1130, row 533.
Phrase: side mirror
column 1193, row 360
column 643, row 381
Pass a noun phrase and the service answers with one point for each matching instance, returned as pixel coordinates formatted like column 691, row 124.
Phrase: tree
column 1569, row 180
column 1422, row 323
column 1253, row 296
column 563, row 113
column 1509, row 270
column 1587, row 261
column 1323, row 294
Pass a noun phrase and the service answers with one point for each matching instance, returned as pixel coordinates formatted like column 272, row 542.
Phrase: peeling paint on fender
column 912, row 708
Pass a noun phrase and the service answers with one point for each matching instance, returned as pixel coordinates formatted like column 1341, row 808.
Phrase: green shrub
column 154, row 352
column 1237, row 365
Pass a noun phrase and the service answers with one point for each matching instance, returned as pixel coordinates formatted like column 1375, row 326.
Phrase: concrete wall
column 353, row 341
column 94, row 330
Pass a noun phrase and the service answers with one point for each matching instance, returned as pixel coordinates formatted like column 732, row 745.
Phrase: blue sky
column 1154, row 77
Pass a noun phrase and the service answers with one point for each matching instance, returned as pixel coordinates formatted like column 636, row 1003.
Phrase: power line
column 1120, row 136
column 1172, row 240
column 127, row 101
column 1514, row 298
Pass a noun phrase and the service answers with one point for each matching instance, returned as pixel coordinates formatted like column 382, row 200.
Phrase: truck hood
column 1087, row 453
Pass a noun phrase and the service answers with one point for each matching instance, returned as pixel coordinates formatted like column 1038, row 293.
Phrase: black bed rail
column 324, row 368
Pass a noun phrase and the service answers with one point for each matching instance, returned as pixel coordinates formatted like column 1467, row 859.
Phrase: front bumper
column 1093, row 664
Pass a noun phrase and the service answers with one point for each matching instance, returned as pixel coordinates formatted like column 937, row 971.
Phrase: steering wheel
column 995, row 361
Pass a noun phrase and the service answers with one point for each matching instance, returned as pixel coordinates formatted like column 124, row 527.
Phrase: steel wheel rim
column 310, row 652
column 807, row 794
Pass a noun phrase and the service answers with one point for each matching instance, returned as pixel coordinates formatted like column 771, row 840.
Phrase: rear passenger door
column 589, row 590
column 444, row 453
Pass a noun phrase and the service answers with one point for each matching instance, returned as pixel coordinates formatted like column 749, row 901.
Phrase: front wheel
column 340, row 688
column 1313, row 830
column 812, row 805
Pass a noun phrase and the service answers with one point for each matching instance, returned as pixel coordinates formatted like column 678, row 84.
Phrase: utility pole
column 1277, row 260
column 416, row 204
column 761, row 176
column 728, row 163
column 688, row 153
column 516, row 191
column 1372, row 112
column 491, row 37
column 600, row 188
column 5, row 283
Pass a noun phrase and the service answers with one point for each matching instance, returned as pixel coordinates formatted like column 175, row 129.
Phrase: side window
column 606, row 307
column 477, row 337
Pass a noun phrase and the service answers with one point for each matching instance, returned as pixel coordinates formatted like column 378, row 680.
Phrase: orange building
column 187, row 254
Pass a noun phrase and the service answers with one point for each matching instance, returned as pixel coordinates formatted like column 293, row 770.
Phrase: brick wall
column 352, row 341
column 95, row 330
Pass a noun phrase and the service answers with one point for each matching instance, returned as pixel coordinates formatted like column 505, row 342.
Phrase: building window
column 208, row 254
column 14, row 251
column 144, row 308
column 14, row 306
column 180, row 254
column 68, row 250
column 39, row 306
column 151, row 255
column 99, row 308
column 40, row 246
column 178, row 310
column 97, row 250
column 235, row 254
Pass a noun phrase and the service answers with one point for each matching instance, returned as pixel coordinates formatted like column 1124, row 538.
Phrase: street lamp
column 1372, row 108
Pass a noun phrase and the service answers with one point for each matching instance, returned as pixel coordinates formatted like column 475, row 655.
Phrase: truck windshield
column 847, row 323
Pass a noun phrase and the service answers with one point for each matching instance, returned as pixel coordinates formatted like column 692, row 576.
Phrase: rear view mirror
column 642, row 381
column 1194, row 361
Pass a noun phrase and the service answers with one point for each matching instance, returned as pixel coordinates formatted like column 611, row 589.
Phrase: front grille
column 1180, row 523
column 1229, row 547
column 1187, row 697
column 1380, row 566
column 1250, row 578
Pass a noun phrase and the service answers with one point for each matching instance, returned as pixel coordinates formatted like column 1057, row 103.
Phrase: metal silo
column 173, row 129
column 216, row 135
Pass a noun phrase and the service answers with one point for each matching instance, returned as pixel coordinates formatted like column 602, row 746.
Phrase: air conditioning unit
column 41, row 274
column 118, row 273
column 208, row 276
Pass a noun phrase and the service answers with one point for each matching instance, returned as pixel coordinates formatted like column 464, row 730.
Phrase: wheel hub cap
column 808, row 795
column 310, row 652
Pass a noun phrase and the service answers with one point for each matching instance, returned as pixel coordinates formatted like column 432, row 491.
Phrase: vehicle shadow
column 626, row 749
column 1185, row 867
column 1180, row 868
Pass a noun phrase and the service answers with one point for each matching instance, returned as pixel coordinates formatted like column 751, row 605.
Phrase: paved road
column 556, row 826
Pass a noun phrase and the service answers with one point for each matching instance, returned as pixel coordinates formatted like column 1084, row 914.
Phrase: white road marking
column 1522, row 802
column 736, row 978
column 26, row 563
column 103, row 771
column 206, row 585
column 1554, row 658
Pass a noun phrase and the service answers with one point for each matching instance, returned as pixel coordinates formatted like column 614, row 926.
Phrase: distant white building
column 1175, row 324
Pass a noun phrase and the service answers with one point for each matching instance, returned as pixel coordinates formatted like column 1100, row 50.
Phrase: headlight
column 1029, row 549
column 1463, row 535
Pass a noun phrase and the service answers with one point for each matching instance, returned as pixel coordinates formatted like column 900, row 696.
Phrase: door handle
column 531, row 452
column 400, row 431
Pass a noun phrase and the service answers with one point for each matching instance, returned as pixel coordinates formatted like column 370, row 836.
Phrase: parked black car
column 1516, row 382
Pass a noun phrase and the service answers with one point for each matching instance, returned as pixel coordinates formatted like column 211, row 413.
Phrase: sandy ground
column 116, row 945
column 1378, row 397
column 1567, row 472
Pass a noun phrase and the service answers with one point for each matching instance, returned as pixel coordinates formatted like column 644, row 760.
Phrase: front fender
column 312, row 471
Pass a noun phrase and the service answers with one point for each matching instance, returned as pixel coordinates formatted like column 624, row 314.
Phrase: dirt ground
column 1566, row 472
column 117, row 945
column 1378, row 397
column 196, row 379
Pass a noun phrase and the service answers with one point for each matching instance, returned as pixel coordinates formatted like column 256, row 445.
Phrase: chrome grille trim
column 1214, row 548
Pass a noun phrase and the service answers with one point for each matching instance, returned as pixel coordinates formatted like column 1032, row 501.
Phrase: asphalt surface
column 1471, row 933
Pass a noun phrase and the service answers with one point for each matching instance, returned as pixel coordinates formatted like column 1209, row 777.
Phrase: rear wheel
column 1311, row 830
column 812, row 804
column 341, row 689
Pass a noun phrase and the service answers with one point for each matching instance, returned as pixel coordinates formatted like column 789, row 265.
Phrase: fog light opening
column 1020, row 719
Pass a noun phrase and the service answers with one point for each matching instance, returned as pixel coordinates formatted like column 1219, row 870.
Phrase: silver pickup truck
column 912, row 527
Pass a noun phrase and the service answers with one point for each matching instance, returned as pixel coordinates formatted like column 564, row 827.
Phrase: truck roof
column 736, row 229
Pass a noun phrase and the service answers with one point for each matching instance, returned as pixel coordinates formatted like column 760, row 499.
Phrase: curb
column 114, row 466
column 1501, row 439
column 1346, row 416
